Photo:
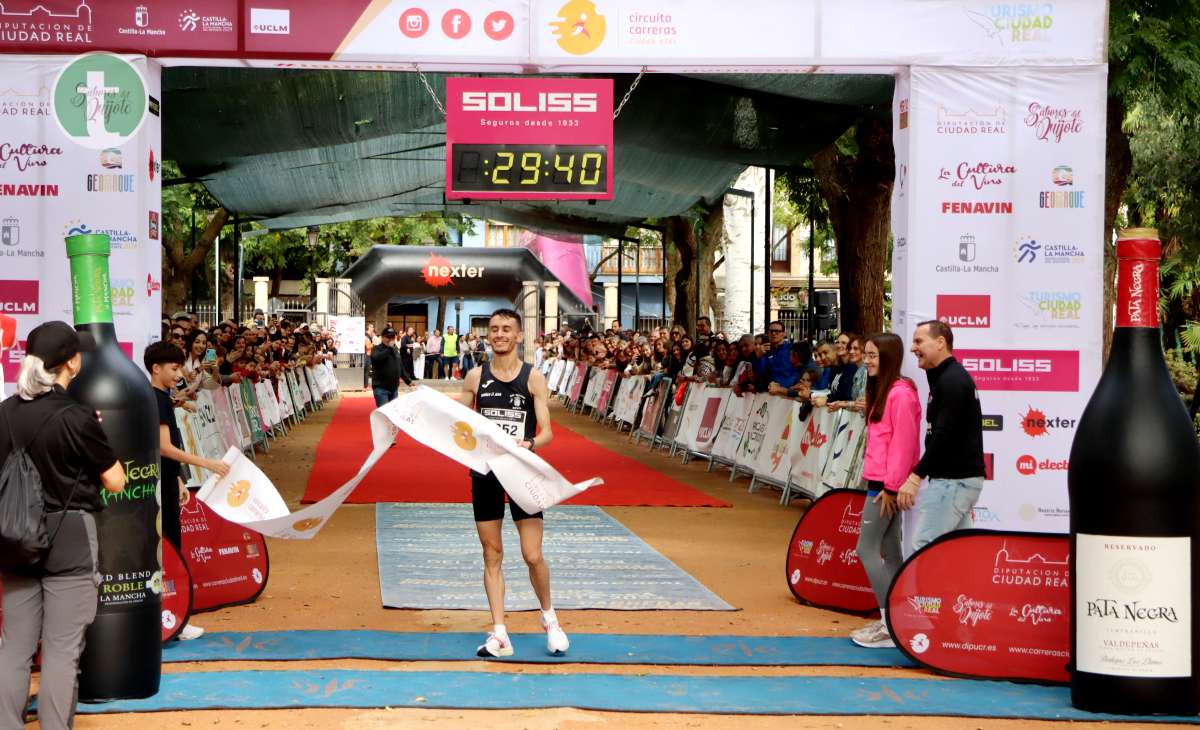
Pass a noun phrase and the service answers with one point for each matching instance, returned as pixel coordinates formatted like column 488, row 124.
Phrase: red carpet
column 413, row 473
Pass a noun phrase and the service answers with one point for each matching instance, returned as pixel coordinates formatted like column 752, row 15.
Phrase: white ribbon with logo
column 247, row 497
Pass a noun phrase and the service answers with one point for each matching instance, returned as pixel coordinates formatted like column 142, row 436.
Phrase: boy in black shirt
column 164, row 361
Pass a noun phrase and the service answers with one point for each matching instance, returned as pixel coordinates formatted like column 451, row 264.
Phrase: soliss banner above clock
column 529, row 139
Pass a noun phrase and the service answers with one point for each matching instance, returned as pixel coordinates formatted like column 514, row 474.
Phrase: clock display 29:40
column 519, row 168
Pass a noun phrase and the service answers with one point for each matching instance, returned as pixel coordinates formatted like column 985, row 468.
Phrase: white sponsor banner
column 556, row 375
column 847, row 442
column 267, row 403
column 631, row 401
column 712, row 414
column 1003, row 203
column 301, row 397
column 247, row 497
column 689, row 420
column 512, row 35
column 314, row 389
column 808, row 460
column 756, row 432
column 284, row 399
column 595, row 383
column 781, row 439
column 54, row 187
column 733, row 426
column 234, row 393
column 326, row 380
column 350, row 334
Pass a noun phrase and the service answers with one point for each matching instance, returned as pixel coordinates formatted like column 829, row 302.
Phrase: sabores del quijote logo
column 1053, row 123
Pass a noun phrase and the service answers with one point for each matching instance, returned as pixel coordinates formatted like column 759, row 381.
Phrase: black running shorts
column 487, row 497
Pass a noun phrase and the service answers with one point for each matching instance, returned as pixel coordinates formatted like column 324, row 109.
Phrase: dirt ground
column 332, row 582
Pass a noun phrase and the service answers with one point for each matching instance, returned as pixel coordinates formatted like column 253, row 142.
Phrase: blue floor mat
column 429, row 557
column 585, row 649
column 655, row 693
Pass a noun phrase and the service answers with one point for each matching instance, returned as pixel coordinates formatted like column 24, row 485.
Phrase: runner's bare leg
column 491, row 539
column 530, row 531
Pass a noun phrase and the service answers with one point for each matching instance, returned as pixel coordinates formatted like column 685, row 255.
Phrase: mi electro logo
column 560, row 102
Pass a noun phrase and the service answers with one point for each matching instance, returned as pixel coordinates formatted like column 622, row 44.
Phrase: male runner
column 512, row 394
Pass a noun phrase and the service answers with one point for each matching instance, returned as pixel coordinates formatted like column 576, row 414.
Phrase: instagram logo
column 414, row 22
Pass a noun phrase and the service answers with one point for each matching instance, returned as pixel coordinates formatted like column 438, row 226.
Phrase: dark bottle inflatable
column 1134, row 485
column 123, row 655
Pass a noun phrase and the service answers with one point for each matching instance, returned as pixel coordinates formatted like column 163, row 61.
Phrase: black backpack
column 23, row 539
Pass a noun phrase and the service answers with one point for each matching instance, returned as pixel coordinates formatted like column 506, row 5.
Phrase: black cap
column 57, row 342
column 388, row 332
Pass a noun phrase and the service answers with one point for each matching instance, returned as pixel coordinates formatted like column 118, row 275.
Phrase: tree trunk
column 681, row 267
column 178, row 267
column 441, row 315
column 858, row 191
column 1118, row 164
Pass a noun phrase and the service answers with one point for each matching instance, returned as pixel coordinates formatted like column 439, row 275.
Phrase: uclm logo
column 1031, row 370
column 562, row 102
column 19, row 296
column 965, row 310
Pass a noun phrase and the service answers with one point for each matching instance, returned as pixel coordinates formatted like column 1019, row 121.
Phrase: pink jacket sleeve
column 904, row 450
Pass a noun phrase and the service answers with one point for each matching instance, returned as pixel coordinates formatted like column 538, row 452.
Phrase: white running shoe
column 556, row 639
column 866, row 630
column 878, row 638
column 191, row 631
column 495, row 647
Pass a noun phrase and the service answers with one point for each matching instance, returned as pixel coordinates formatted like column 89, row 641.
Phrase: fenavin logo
column 99, row 100
column 579, row 27
column 993, row 423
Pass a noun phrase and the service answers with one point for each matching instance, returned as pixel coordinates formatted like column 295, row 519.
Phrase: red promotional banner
column 176, row 592
column 529, row 138
column 823, row 568
column 228, row 563
column 991, row 605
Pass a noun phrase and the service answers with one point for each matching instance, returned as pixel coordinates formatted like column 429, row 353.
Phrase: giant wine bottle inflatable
column 123, row 655
column 1134, row 485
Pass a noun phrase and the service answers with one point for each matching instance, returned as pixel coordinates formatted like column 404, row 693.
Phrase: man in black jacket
column 953, row 459
column 386, row 369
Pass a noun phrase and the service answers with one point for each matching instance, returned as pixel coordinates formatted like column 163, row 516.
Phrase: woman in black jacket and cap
column 54, row 601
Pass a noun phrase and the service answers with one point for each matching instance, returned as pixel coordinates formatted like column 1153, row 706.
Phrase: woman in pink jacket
column 893, row 413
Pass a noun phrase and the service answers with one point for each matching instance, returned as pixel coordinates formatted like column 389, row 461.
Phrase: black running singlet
column 508, row 404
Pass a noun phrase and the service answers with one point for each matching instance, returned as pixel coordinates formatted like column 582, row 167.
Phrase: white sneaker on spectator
column 191, row 631
column 878, row 638
column 495, row 646
column 864, row 630
column 556, row 639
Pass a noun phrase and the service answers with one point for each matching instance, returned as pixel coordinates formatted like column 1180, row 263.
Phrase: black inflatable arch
column 386, row 272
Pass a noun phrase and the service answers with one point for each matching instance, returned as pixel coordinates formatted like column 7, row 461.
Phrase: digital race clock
column 485, row 168
column 529, row 139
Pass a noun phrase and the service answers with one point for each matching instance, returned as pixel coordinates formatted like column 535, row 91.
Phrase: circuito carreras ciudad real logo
column 99, row 100
column 579, row 27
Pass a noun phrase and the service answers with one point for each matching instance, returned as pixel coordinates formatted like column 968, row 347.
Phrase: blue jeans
column 945, row 505
column 383, row 396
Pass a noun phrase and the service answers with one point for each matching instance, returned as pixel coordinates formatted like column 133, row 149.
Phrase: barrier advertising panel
column 992, row 605
column 823, row 568
column 228, row 563
column 176, row 592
